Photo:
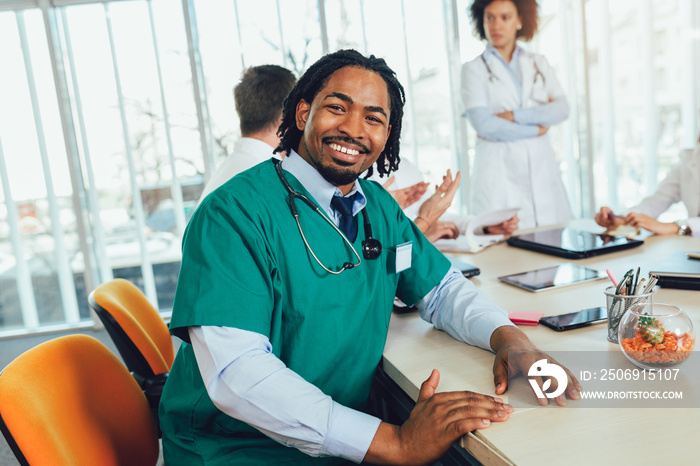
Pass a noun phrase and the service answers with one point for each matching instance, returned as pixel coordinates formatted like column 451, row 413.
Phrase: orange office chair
column 139, row 333
column 70, row 401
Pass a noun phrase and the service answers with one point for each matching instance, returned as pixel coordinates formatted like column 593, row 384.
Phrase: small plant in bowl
column 656, row 336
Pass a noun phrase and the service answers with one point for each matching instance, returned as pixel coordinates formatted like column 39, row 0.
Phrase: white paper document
column 475, row 240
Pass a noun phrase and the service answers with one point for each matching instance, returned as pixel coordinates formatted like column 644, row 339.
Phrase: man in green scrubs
column 285, row 317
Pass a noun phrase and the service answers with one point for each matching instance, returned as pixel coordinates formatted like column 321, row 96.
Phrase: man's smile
column 343, row 149
column 345, row 152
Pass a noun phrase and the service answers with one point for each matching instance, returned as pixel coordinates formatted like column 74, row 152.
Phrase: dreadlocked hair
column 318, row 75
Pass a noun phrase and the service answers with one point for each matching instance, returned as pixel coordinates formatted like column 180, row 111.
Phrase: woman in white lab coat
column 512, row 97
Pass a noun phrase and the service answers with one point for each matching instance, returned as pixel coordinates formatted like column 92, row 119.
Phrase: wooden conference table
column 552, row 435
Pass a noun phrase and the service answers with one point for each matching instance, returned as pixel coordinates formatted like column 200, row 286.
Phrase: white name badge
column 403, row 256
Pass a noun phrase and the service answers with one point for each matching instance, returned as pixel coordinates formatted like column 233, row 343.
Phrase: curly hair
column 527, row 9
column 318, row 75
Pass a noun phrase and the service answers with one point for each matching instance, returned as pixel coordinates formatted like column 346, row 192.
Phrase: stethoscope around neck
column 493, row 78
column 371, row 248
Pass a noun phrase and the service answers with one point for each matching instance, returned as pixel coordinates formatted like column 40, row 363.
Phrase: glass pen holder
column 618, row 305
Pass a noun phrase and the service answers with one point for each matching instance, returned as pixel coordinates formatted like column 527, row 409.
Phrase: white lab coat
column 681, row 184
column 522, row 173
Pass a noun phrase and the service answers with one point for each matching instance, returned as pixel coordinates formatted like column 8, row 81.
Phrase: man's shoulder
column 255, row 182
column 376, row 193
column 237, row 163
column 246, row 154
column 264, row 168
column 371, row 186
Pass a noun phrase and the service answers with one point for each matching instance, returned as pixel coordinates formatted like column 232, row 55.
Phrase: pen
column 640, row 287
column 621, row 286
column 694, row 255
column 612, row 278
column 650, row 285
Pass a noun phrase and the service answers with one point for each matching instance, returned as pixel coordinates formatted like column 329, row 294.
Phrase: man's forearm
column 457, row 307
column 510, row 337
column 246, row 381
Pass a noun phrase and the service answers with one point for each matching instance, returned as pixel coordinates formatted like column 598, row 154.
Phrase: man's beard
column 334, row 175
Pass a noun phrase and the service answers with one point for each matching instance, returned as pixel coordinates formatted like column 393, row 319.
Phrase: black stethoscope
column 493, row 78
column 371, row 248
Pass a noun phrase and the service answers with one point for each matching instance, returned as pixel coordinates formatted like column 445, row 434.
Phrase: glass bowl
column 656, row 336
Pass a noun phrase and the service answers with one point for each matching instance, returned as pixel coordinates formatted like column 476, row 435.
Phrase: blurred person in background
column 681, row 184
column 259, row 97
column 512, row 97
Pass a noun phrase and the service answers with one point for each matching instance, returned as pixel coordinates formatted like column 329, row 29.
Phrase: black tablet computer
column 553, row 277
column 571, row 243
column 679, row 270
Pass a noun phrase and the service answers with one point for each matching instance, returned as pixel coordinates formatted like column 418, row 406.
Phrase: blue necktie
column 348, row 224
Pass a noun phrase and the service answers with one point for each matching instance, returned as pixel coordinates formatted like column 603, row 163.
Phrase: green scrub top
column 245, row 265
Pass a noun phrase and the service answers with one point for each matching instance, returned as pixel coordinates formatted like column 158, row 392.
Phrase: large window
column 113, row 114
column 102, row 160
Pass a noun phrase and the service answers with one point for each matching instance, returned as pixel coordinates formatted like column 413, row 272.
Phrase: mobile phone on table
column 468, row 270
column 574, row 320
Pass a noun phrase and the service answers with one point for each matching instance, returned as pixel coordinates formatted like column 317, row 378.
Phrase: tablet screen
column 552, row 277
column 573, row 240
column 572, row 243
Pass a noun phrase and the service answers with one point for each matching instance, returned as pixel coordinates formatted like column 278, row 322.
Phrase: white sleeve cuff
column 350, row 433
column 486, row 325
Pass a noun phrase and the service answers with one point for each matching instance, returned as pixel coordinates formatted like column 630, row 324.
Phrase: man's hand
column 606, row 218
column 441, row 230
column 638, row 220
column 436, row 422
column 505, row 228
column 406, row 196
column 511, row 339
column 437, row 204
